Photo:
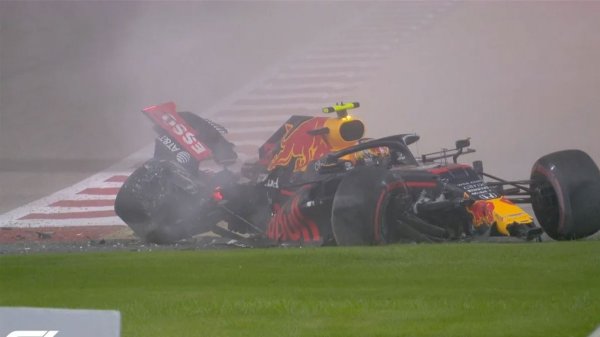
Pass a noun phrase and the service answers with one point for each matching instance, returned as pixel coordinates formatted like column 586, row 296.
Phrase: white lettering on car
column 189, row 138
column 198, row 148
column 186, row 136
column 169, row 144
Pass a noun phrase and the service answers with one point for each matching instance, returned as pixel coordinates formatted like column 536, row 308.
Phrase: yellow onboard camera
column 343, row 131
column 341, row 109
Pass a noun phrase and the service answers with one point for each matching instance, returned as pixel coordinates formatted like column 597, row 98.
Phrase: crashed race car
column 318, row 181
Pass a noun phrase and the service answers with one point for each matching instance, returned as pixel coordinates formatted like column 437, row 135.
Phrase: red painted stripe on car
column 286, row 192
column 445, row 169
column 394, row 185
column 314, row 229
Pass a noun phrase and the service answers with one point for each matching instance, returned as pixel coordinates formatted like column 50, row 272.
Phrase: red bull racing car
column 318, row 181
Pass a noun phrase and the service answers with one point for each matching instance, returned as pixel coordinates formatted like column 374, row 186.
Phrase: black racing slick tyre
column 565, row 194
column 163, row 203
column 364, row 205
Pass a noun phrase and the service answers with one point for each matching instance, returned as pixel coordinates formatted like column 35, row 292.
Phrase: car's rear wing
column 166, row 118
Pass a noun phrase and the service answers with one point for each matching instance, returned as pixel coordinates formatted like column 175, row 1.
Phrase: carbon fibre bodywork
column 317, row 181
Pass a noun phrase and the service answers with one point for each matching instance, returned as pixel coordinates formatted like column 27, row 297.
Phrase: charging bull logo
column 289, row 224
column 482, row 212
column 300, row 146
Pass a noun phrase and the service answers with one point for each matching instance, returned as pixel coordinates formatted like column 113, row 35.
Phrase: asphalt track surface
column 520, row 79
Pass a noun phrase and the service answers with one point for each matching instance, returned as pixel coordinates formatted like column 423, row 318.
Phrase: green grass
column 549, row 289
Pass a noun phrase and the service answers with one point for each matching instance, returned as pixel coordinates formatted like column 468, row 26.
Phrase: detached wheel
column 162, row 204
column 566, row 194
column 363, row 207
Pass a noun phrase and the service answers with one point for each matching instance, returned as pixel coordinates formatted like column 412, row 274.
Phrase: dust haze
column 74, row 76
column 521, row 79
